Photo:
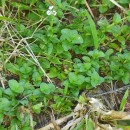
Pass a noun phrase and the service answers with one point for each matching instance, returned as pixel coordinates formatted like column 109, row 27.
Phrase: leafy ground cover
column 53, row 50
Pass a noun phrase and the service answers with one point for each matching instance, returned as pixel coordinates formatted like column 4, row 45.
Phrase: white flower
column 49, row 12
column 54, row 12
column 51, row 7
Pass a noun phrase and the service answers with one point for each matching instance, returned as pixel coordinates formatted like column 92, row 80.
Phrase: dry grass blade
column 58, row 121
column 115, row 3
column 35, row 59
column 2, row 82
column 71, row 125
column 14, row 51
column 27, row 47
column 89, row 9
column 115, row 115
column 112, row 91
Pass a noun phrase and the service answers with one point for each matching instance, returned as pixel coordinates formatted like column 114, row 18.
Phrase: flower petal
column 49, row 12
column 51, row 7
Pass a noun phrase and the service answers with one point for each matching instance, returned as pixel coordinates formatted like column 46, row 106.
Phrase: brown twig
column 89, row 9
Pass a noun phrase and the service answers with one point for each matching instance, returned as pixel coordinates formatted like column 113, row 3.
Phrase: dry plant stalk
column 81, row 111
column 115, row 115
column 115, row 3
column 89, row 9
column 58, row 122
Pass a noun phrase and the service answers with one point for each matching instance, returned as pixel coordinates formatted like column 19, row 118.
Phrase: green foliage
column 15, row 86
column 93, row 30
column 89, row 124
column 96, row 79
column 124, row 100
column 105, row 6
column 37, row 108
column 76, row 51
column 69, row 38
column 76, row 79
column 20, row 6
column 116, row 18
column 47, row 88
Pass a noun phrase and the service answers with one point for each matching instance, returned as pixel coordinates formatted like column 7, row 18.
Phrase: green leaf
column 80, row 125
column 89, row 124
column 14, row 85
column 3, row 3
column 83, row 67
column 55, row 60
column 53, row 72
column 96, row 79
column 1, row 117
column 116, row 18
column 78, row 39
column 103, row 23
column 126, row 78
column 75, row 92
column 24, row 102
column 36, row 77
column 44, row 63
column 71, row 36
column 66, row 84
column 76, row 79
column 6, row 19
column 47, row 88
column 82, row 99
column 2, row 128
column 4, row 104
column 124, row 100
column 103, row 8
column 93, row 30
column 1, row 93
column 114, row 46
column 52, row 87
column 9, row 92
column 37, row 108
column 14, row 68
column 49, row 48
column 66, row 45
column 87, row 66
column 37, row 92
column 40, row 37
column 124, row 1
column 21, row 28
column 86, row 58
column 20, row 6
column 96, row 54
column 108, row 53
column 32, row 2
column 25, row 69
column 35, row 48
column 116, row 29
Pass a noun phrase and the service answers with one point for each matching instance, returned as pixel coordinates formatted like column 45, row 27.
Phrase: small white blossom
column 51, row 7
column 49, row 12
column 54, row 12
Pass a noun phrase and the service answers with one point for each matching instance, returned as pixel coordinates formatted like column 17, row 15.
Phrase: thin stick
column 115, row 3
column 29, row 50
column 59, row 122
column 113, row 91
column 89, row 9
column 35, row 59
column 2, row 82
